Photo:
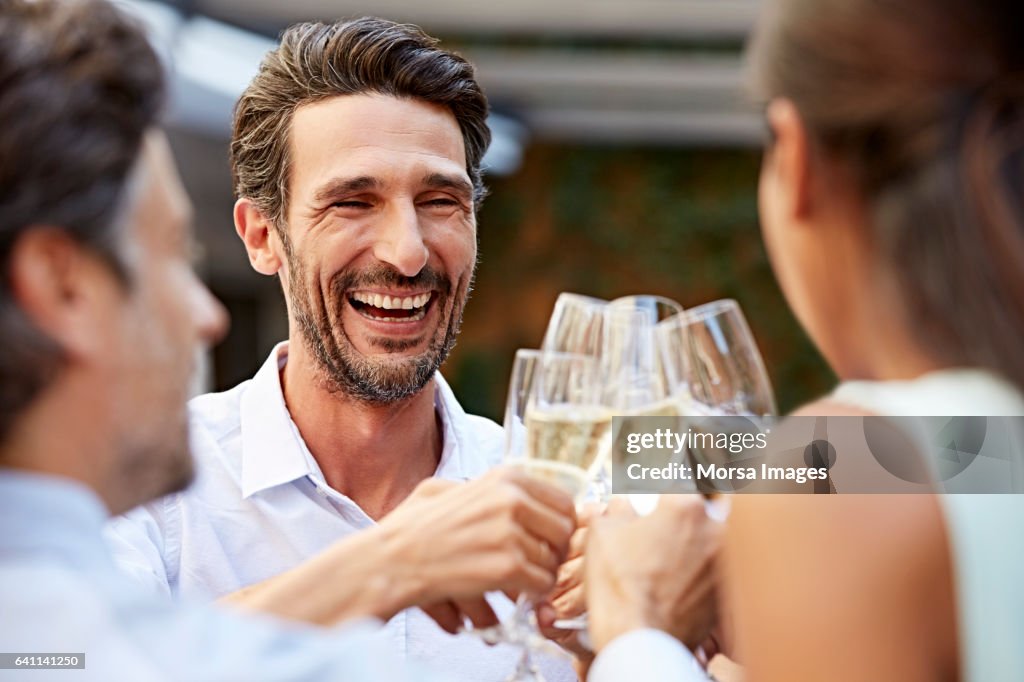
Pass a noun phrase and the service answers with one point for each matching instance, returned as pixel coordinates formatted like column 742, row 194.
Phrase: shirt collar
column 453, row 418
column 273, row 452
column 270, row 455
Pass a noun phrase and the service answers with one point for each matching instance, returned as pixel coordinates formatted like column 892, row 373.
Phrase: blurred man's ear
column 259, row 236
column 65, row 290
column 789, row 159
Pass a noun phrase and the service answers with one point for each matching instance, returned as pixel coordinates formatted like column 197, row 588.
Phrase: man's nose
column 210, row 315
column 400, row 241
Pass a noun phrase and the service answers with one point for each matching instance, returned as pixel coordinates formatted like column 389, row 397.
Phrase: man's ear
column 65, row 290
column 257, row 233
column 789, row 159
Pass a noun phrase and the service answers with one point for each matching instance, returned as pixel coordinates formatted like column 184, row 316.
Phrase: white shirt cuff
column 649, row 655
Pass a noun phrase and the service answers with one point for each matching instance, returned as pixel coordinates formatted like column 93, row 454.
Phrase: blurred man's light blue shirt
column 61, row 593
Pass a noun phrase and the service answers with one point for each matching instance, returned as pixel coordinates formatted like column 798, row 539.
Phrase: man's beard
column 377, row 381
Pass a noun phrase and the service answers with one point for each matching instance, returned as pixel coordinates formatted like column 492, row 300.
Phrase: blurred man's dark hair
column 79, row 86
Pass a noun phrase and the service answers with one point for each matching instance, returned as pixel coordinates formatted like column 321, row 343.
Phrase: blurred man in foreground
column 101, row 314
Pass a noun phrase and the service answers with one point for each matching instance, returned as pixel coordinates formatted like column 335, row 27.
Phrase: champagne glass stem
column 520, row 626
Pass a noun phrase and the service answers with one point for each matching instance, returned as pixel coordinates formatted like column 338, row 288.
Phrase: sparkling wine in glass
column 568, row 427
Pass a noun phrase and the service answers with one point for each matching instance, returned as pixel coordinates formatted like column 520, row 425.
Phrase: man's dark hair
column 79, row 87
column 316, row 61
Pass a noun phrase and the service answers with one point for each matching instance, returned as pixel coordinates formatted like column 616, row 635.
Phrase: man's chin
column 176, row 474
column 150, row 475
column 182, row 478
column 383, row 349
column 372, row 367
column 387, row 380
column 396, row 354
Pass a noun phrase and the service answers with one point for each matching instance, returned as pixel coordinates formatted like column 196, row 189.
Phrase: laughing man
column 356, row 158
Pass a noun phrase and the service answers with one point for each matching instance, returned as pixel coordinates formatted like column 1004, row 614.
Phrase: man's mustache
column 386, row 276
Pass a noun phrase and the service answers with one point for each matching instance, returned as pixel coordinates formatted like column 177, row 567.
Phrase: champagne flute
column 672, row 337
column 517, row 629
column 556, row 429
column 720, row 374
column 633, row 384
column 524, row 368
column 657, row 308
column 576, row 325
column 636, row 379
column 727, row 373
column 637, row 383
column 552, row 396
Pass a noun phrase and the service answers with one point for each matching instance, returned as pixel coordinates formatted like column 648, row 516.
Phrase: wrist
column 621, row 621
column 396, row 578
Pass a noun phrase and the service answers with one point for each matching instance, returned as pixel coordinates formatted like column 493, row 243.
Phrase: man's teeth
column 392, row 303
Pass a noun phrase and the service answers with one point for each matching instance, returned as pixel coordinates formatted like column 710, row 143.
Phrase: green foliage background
column 615, row 221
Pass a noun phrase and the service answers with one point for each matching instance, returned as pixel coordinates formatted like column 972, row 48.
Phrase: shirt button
column 321, row 492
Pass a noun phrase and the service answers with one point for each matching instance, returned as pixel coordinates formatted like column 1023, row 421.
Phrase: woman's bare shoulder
column 864, row 581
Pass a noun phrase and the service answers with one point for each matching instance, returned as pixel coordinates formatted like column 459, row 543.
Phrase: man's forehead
column 158, row 148
column 363, row 126
column 156, row 200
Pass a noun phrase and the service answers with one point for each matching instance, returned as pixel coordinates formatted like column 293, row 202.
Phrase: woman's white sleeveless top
column 986, row 531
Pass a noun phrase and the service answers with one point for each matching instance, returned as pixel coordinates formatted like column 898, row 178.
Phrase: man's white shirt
column 260, row 506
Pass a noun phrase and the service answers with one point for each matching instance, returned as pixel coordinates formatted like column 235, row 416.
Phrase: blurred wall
column 611, row 221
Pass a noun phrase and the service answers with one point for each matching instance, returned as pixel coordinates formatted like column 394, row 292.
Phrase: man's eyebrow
column 452, row 182
column 339, row 186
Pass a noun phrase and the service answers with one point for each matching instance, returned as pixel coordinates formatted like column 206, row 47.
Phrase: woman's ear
column 788, row 160
column 257, row 233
